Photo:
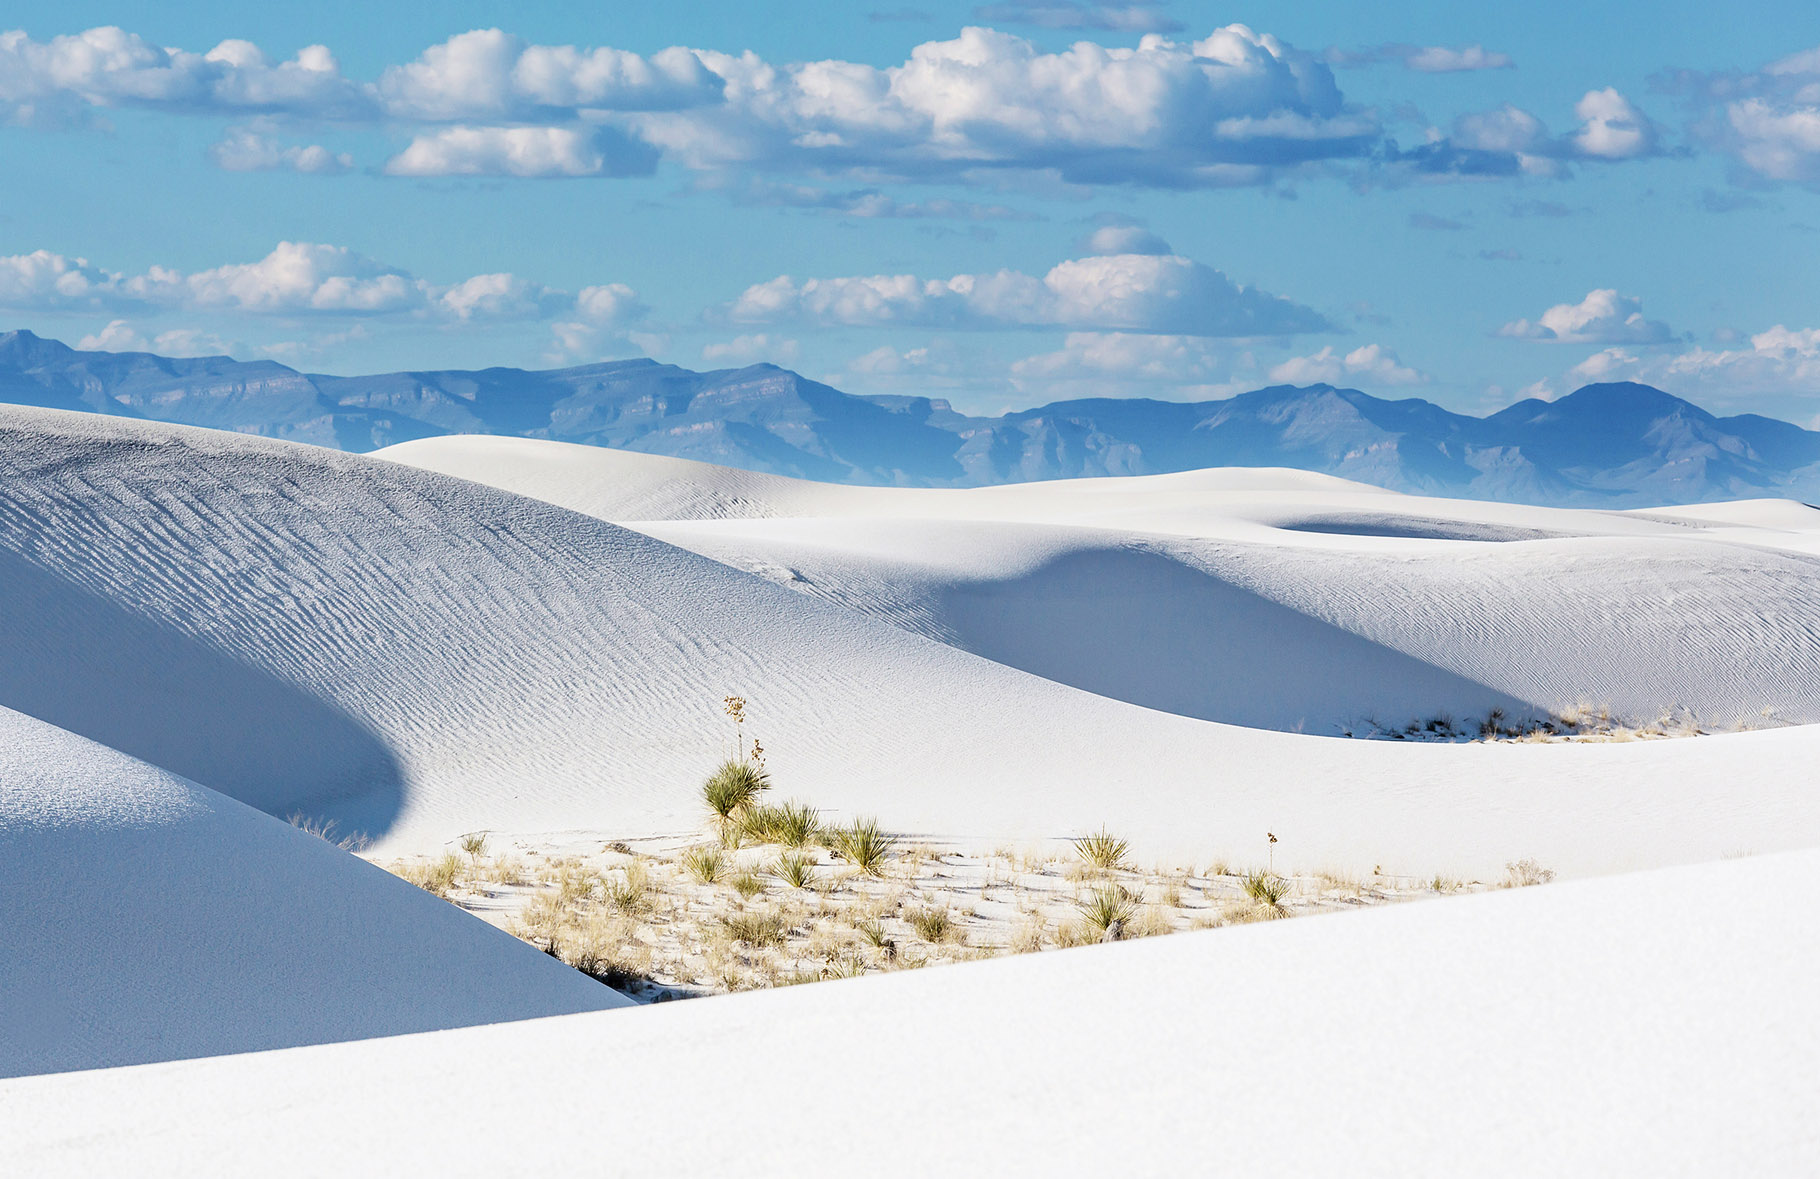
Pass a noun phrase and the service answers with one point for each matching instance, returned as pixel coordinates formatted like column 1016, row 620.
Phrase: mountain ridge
column 1609, row 445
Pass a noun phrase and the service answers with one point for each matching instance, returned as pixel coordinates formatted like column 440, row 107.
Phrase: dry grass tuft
column 1523, row 873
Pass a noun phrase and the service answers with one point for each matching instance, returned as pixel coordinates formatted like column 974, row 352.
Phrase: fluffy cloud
column 1228, row 109
column 44, row 281
column 1603, row 317
column 1162, row 294
column 299, row 279
column 751, row 349
column 254, row 149
column 1125, row 239
column 1767, row 120
column 56, row 81
column 868, row 203
column 120, row 336
column 1372, row 364
column 490, row 75
column 1781, row 360
column 1427, row 59
column 523, row 151
column 1124, row 356
column 1510, row 141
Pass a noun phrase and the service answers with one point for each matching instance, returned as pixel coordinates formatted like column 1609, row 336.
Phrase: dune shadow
column 1417, row 528
column 1144, row 628
column 87, row 664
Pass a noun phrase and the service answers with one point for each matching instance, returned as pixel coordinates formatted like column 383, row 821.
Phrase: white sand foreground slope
column 420, row 656
column 1655, row 1025
column 145, row 918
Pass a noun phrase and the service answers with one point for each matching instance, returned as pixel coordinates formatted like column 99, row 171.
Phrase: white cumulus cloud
column 757, row 348
column 255, row 149
column 1163, row 294
column 1603, row 317
column 1372, row 364
column 523, row 151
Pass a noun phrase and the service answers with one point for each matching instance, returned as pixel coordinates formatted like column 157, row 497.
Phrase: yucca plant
column 863, row 844
column 1102, row 849
column 748, row 884
column 734, row 788
column 704, row 863
column 1108, row 909
column 795, row 869
column 627, row 893
column 1267, row 891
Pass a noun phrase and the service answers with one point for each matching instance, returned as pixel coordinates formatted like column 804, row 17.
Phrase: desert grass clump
column 795, row 869
column 793, row 824
column 933, row 925
column 1102, row 849
column 733, row 789
column 1523, row 873
column 629, row 890
column 756, row 929
column 748, row 883
column 1028, row 937
column 324, row 829
column 704, row 863
column 863, row 844
column 438, row 877
column 1108, row 910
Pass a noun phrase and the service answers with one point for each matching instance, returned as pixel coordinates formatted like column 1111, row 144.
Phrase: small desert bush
column 734, row 788
column 1028, row 938
column 576, row 883
column 793, row 824
column 1109, row 910
column 795, row 869
column 704, row 863
column 756, row 929
column 1443, row 884
column 863, row 844
column 1523, row 873
column 933, row 925
column 748, row 883
column 1102, row 849
column 437, row 877
column 1267, row 890
column 628, row 891
column 506, row 870
column 475, row 846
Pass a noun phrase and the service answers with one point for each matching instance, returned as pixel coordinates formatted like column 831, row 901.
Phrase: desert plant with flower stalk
column 1267, row 891
column 733, row 789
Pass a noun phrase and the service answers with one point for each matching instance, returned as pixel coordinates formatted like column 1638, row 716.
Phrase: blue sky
column 1073, row 199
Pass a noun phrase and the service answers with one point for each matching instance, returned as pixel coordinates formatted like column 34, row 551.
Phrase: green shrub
column 756, row 929
column 748, row 883
column 1109, row 910
column 793, row 824
column 1102, row 849
column 734, row 788
column 864, row 845
column 933, row 925
column 705, row 864
column 795, row 869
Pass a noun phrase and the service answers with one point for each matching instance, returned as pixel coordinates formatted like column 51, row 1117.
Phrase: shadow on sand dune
column 86, row 664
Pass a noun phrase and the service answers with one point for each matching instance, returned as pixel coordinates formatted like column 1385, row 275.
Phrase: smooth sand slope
column 1651, row 1025
column 1268, row 598
column 149, row 919
column 454, row 657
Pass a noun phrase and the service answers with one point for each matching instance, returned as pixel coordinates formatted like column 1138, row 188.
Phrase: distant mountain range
column 1612, row 445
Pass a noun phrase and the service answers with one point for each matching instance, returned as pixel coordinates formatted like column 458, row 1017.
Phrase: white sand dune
column 1271, row 598
column 419, row 656
column 1654, row 1025
column 148, row 919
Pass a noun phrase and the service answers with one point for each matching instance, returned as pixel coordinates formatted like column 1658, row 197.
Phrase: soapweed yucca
column 1108, row 909
column 1102, row 849
column 863, row 844
column 795, row 869
column 1267, row 891
column 704, row 863
column 793, row 824
column 734, row 788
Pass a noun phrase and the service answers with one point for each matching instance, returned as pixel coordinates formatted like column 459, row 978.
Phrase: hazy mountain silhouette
column 1617, row 445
